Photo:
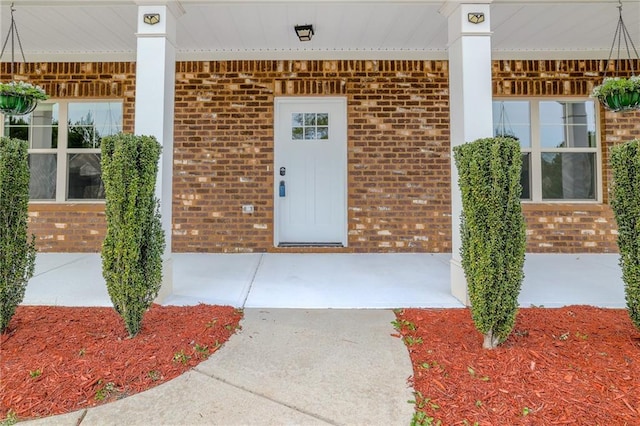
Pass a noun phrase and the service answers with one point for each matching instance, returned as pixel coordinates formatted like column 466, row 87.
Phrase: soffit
column 105, row 30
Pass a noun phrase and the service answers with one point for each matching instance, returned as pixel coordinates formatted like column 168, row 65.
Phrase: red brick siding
column 223, row 157
column 398, row 155
column 399, row 169
column 570, row 228
column 75, row 227
column 68, row 227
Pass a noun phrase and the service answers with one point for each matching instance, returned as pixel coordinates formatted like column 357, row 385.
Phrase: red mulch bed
column 577, row 365
column 56, row 360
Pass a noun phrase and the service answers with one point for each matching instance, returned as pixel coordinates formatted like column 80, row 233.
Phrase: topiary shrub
column 492, row 232
column 625, row 202
column 134, row 243
column 17, row 250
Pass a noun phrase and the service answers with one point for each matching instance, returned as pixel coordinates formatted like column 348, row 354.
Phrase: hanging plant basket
column 19, row 98
column 619, row 93
column 16, row 96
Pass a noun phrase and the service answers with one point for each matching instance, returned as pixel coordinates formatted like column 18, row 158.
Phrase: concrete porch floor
column 320, row 281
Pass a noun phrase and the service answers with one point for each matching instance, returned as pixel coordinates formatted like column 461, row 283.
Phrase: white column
column 470, row 103
column 155, row 94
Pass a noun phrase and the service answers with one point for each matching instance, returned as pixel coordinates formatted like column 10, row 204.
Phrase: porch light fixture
column 304, row 32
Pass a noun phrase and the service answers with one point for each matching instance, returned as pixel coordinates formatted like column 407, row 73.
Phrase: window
column 309, row 126
column 559, row 146
column 64, row 147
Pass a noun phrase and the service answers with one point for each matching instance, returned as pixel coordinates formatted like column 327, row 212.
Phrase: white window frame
column 62, row 151
column 536, row 149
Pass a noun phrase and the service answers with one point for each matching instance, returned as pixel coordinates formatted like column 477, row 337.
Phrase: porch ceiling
column 69, row 30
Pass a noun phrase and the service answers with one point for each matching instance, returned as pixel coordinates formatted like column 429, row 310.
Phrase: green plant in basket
column 618, row 93
column 19, row 97
column 14, row 88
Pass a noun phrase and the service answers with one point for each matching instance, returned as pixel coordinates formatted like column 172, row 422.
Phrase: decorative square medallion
column 151, row 18
column 475, row 17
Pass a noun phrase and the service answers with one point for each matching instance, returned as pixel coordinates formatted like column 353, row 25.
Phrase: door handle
column 282, row 189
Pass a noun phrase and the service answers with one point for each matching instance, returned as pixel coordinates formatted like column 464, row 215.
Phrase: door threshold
column 289, row 245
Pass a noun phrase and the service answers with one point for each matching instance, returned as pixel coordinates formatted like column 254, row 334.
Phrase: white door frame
column 278, row 102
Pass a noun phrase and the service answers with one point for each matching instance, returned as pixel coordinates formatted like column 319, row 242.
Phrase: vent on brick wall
column 289, row 245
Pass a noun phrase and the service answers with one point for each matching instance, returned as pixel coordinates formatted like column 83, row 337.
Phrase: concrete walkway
column 286, row 367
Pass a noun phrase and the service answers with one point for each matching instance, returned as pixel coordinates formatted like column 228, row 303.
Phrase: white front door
column 310, row 171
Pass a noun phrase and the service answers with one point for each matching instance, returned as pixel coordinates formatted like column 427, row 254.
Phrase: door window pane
column 84, row 179
column 42, row 182
column 310, row 119
column 323, row 119
column 309, row 126
column 322, row 133
column 568, row 176
column 310, row 133
column 297, row 119
column 297, row 133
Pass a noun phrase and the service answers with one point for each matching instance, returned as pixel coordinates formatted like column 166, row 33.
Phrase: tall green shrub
column 492, row 232
column 132, row 249
column 625, row 202
column 17, row 250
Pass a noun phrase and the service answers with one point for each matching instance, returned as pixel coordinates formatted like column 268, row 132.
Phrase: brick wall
column 68, row 227
column 570, row 228
column 398, row 152
column 399, row 169
column 398, row 159
column 75, row 227
column 223, row 157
